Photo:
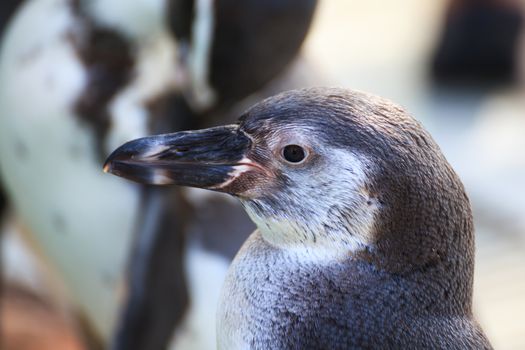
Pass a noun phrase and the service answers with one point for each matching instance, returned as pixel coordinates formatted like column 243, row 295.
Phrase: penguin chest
column 267, row 301
column 245, row 306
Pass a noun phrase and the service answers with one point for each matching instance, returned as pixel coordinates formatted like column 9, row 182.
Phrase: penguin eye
column 293, row 153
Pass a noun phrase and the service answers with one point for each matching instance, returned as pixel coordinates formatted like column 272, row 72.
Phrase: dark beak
column 208, row 158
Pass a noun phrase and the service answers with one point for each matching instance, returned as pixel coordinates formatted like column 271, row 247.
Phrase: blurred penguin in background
column 77, row 79
column 7, row 8
column 479, row 43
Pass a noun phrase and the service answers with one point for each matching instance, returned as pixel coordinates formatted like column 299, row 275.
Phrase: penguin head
column 324, row 172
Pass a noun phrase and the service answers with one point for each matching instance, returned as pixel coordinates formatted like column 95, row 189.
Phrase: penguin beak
column 209, row 158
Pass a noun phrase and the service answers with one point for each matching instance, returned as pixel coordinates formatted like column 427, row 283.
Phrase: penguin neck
column 433, row 248
column 306, row 242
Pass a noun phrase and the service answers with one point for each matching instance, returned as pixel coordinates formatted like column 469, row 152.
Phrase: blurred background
column 426, row 56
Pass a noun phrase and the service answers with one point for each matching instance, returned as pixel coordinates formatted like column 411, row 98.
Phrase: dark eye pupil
column 293, row 153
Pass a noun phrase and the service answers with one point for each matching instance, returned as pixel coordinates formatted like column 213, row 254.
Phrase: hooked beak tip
column 107, row 168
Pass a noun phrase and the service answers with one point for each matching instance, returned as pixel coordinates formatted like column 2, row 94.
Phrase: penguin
column 364, row 231
column 479, row 43
column 78, row 78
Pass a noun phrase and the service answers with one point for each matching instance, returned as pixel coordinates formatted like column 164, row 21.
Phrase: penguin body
column 274, row 300
column 43, row 142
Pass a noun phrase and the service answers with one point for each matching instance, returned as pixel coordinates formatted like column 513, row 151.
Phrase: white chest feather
column 262, row 286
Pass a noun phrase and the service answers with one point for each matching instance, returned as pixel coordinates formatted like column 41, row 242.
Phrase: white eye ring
column 294, row 154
